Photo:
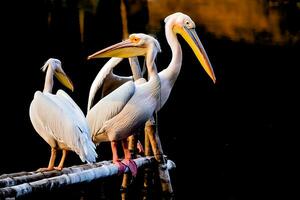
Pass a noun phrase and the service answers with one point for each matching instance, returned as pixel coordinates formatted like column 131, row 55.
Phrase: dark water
column 220, row 136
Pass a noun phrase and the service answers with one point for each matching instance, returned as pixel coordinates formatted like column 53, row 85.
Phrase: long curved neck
column 153, row 78
column 175, row 65
column 48, row 80
column 135, row 68
column 151, row 67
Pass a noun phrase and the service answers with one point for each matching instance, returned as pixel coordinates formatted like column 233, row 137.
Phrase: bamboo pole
column 7, row 180
column 147, row 146
column 81, row 176
column 15, row 174
column 127, row 177
column 148, row 172
column 158, row 154
column 124, row 20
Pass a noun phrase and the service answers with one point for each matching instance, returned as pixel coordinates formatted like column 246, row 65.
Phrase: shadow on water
column 220, row 136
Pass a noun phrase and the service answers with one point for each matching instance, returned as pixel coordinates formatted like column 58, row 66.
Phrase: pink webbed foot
column 121, row 167
column 131, row 165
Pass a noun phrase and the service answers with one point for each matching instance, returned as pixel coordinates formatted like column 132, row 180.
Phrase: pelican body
column 177, row 23
column 133, row 103
column 125, row 110
column 58, row 119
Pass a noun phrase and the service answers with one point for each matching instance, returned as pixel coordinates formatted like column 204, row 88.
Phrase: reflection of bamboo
column 158, row 154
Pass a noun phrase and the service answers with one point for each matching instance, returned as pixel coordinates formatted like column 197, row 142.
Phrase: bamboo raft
column 20, row 184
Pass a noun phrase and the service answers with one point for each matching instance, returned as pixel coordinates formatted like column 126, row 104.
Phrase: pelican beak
column 64, row 79
column 125, row 49
column 191, row 37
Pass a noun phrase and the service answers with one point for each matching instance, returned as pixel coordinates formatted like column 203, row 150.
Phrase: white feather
column 59, row 120
column 98, row 81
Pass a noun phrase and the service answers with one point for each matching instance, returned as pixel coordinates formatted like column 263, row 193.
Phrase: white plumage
column 125, row 110
column 59, row 120
column 133, row 103
column 177, row 23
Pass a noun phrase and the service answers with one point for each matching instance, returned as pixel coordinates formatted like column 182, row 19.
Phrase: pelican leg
column 127, row 158
column 51, row 161
column 114, row 151
column 115, row 158
column 62, row 160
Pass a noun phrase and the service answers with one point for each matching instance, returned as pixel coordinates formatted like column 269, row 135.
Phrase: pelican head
column 184, row 26
column 59, row 73
column 138, row 44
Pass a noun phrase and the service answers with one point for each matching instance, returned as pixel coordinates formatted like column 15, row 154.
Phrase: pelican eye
column 135, row 40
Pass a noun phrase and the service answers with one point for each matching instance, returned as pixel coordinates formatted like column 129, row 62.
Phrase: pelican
column 58, row 119
column 177, row 23
column 111, row 81
column 182, row 24
column 125, row 110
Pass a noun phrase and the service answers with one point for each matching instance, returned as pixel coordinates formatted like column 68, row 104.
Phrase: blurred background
column 220, row 135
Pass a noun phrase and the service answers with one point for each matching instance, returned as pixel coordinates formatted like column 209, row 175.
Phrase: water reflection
column 251, row 21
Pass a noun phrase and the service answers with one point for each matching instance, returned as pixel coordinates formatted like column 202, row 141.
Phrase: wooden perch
column 7, row 180
column 80, row 175
column 157, row 150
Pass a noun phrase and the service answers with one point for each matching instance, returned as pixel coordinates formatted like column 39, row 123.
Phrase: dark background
column 221, row 136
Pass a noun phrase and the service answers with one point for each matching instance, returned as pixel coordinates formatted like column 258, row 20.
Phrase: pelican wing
column 53, row 114
column 109, row 106
column 112, row 82
column 77, row 112
column 98, row 81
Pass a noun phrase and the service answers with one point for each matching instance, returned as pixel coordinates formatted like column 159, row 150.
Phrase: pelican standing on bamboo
column 177, row 23
column 182, row 24
column 59, row 120
column 130, row 105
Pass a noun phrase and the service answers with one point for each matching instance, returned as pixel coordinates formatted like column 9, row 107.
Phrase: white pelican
column 111, row 81
column 177, row 23
column 58, row 119
column 125, row 110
